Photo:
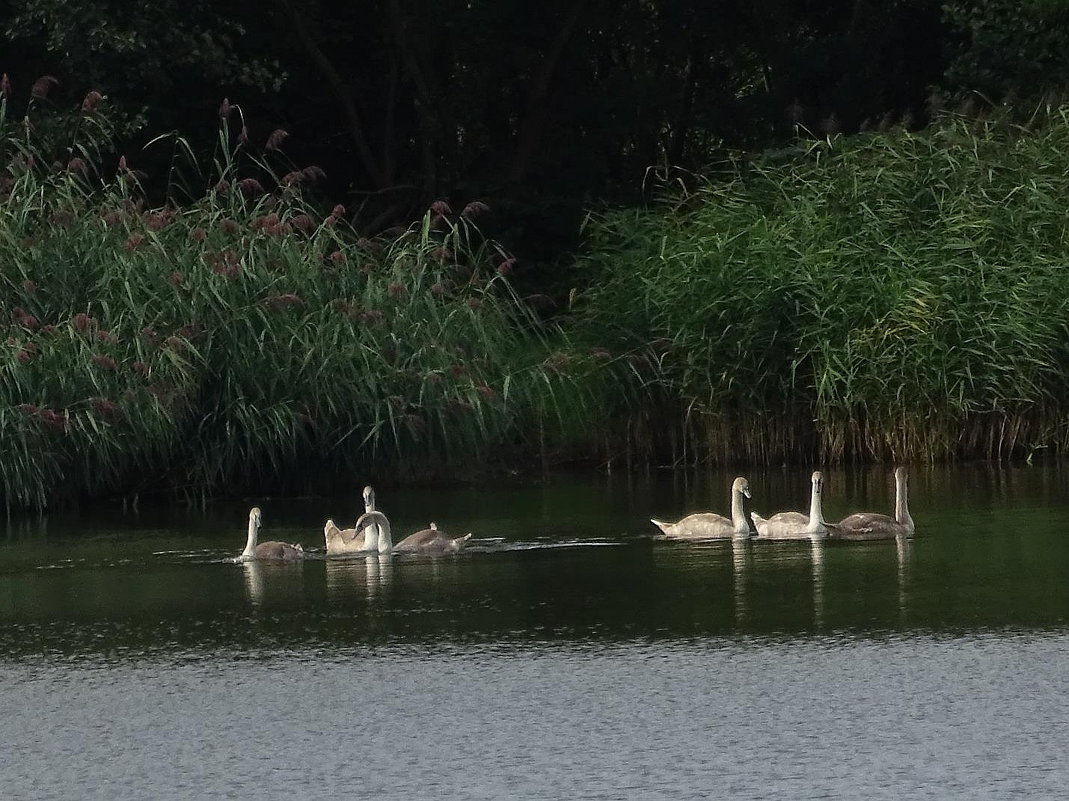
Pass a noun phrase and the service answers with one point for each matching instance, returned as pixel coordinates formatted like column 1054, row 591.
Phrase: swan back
column 708, row 525
column 795, row 525
column 875, row 526
column 432, row 540
column 271, row 550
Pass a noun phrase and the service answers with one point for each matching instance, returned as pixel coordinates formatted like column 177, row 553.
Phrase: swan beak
column 746, row 492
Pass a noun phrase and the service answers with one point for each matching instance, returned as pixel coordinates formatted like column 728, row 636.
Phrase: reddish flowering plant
column 250, row 187
column 505, row 267
column 5, row 86
column 198, row 234
column 140, row 368
column 275, row 140
column 474, row 303
column 157, row 221
column 396, row 290
column 372, row 316
column 225, row 108
column 53, row 418
column 283, row 301
column 475, row 208
column 105, row 409
column 107, row 336
column 42, row 86
column 24, row 318
column 133, row 242
column 93, row 98
column 77, row 165
column 29, row 409
column 29, row 286
column 486, row 392
column 82, row 322
column 441, row 208
column 104, row 362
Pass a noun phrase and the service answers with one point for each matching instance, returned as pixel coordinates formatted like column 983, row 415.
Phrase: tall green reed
column 881, row 296
column 234, row 337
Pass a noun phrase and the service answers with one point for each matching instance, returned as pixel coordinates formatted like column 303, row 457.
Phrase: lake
column 566, row 653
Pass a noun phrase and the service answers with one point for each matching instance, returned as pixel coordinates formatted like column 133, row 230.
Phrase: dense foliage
column 537, row 106
column 246, row 339
column 888, row 295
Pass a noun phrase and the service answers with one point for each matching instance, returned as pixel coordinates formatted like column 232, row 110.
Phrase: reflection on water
column 565, row 653
column 367, row 576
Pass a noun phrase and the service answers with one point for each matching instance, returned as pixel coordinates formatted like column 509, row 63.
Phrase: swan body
column 795, row 525
column 874, row 526
column 707, row 525
column 267, row 551
column 429, row 540
column 432, row 540
column 352, row 540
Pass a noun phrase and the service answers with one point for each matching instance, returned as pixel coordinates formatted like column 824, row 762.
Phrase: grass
column 884, row 296
column 234, row 337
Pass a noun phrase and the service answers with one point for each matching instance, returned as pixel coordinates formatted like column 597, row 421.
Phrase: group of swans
column 371, row 534
column 796, row 525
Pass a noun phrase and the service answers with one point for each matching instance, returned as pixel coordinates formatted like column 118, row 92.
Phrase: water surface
column 567, row 653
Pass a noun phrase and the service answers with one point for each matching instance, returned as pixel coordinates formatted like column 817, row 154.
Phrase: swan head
column 255, row 516
column 369, row 499
column 741, row 486
column 901, row 475
column 434, row 526
column 818, row 482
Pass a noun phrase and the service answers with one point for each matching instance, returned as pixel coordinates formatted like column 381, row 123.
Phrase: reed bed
column 234, row 337
column 881, row 296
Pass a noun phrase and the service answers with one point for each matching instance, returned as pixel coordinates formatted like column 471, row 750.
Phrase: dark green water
column 565, row 654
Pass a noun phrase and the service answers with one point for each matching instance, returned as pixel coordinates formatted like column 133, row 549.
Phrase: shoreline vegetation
column 884, row 296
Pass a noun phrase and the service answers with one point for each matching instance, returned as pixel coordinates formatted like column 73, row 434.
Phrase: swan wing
column 704, row 525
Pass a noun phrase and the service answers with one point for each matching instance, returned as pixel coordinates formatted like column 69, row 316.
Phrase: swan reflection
column 904, row 546
column 369, row 576
column 272, row 580
column 817, row 556
column 742, row 564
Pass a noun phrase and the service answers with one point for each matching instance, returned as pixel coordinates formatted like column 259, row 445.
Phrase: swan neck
column 816, row 514
column 250, row 544
column 901, row 505
column 738, row 518
column 385, row 536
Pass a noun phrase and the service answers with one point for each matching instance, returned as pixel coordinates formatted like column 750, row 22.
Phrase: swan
column 795, row 525
column 873, row 526
column 706, row 525
column 350, row 540
column 274, row 551
column 429, row 540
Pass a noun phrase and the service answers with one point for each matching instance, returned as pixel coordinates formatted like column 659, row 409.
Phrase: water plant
column 234, row 335
column 893, row 295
